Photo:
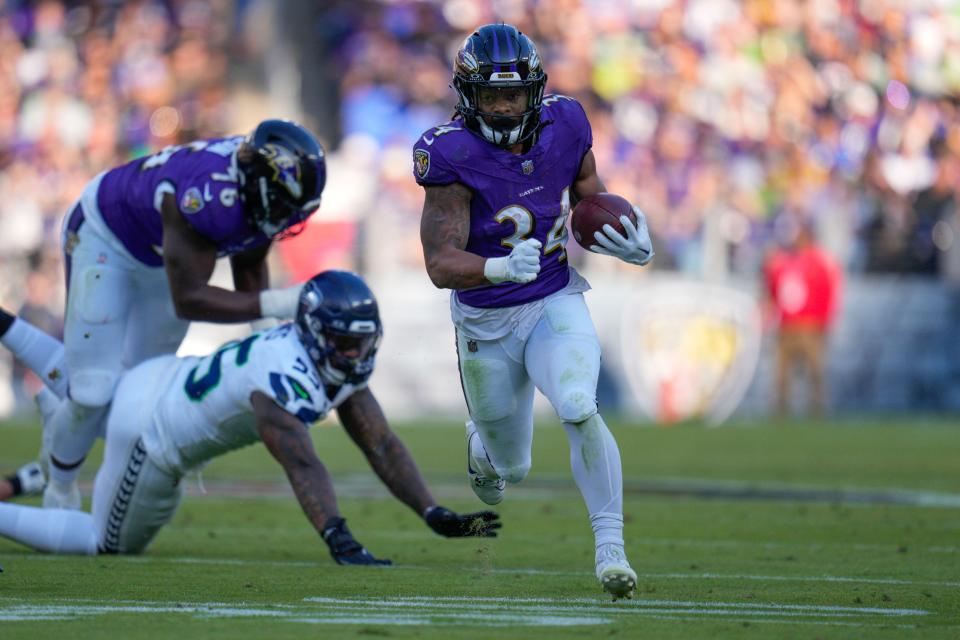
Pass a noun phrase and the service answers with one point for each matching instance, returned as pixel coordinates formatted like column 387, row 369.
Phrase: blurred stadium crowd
column 726, row 120
column 719, row 117
column 83, row 87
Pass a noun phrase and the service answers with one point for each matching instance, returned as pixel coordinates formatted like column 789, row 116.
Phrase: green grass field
column 835, row 530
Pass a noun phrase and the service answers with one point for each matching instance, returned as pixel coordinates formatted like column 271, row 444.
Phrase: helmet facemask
column 350, row 355
column 498, row 128
column 347, row 356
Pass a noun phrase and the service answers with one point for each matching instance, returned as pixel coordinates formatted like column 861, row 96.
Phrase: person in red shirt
column 802, row 283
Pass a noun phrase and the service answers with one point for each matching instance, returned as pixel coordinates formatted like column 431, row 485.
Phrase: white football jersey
column 201, row 405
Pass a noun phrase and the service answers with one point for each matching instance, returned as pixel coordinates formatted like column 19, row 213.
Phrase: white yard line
column 534, row 571
column 483, row 612
column 822, row 623
column 363, row 486
column 768, row 578
column 659, row 542
column 495, row 603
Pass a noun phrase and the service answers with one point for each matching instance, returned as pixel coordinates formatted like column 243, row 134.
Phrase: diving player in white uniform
column 172, row 415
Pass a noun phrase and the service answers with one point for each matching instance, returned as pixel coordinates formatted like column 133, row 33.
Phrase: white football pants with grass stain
column 132, row 497
column 561, row 358
column 119, row 313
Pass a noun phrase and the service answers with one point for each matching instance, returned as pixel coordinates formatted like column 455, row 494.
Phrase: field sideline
column 844, row 529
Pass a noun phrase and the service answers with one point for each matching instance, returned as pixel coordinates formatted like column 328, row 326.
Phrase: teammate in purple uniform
column 499, row 179
column 139, row 248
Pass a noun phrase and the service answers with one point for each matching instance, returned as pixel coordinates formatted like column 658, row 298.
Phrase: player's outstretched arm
column 364, row 421
column 288, row 440
column 190, row 258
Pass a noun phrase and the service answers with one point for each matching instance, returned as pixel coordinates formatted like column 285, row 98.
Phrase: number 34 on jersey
column 523, row 226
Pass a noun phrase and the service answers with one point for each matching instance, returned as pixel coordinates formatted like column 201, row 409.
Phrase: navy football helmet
column 282, row 174
column 499, row 56
column 339, row 324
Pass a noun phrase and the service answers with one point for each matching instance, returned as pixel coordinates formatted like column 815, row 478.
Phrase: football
column 594, row 211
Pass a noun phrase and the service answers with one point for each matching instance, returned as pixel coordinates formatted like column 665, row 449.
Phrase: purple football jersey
column 515, row 197
column 204, row 179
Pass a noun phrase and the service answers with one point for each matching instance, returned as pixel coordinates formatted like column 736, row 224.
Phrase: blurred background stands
column 720, row 118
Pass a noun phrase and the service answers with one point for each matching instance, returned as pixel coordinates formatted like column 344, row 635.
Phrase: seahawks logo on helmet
column 421, row 160
column 286, row 168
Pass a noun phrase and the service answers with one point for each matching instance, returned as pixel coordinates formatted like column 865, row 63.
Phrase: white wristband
column 495, row 269
column 279, row 303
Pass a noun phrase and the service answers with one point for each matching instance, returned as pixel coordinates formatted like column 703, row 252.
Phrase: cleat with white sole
column 489, row 490
column 614, row 572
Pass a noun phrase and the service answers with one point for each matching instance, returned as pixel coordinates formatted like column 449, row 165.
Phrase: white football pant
column 561, row 358
column 132, row 497
column 119, row 313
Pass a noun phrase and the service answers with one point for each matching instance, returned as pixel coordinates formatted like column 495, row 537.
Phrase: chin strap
column 496, row 136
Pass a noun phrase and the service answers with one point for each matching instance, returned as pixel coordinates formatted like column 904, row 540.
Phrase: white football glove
column 635, row 248
column 522, row 265
column 280, row 303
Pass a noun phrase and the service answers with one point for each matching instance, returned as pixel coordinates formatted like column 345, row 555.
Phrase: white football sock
column 43, row 354
column 74, row 429
column 51, row 530
column 595, row 460
column 607, row 528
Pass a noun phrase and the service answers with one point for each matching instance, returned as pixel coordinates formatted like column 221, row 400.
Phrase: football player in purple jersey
column 499, row 180
column 139, row 248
